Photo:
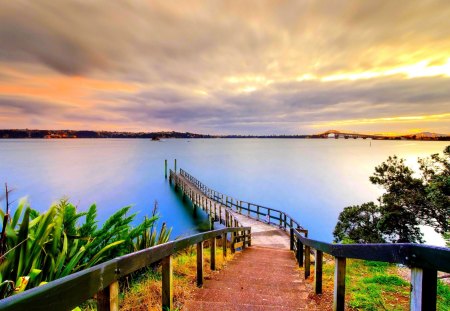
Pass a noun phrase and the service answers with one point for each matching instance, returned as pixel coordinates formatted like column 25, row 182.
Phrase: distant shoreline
column 71, row 134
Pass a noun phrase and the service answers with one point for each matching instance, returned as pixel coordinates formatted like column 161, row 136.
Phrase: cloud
column 221, row 66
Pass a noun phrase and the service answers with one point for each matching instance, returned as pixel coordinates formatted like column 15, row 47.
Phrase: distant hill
column 428, row 135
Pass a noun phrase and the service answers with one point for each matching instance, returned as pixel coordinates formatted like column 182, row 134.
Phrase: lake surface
column 310, row 179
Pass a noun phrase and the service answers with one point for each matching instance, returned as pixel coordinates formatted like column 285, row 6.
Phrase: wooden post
column 220, row 213
column 291, row 235
column 248, row 211
column 200, row 264
column 249, row 237
column 339, row 284
column 257, row 212
column 285, row 225
column 165, row 168
column 423, row 289
column 224, row 245
column 299, row 252
column 175, row 162
column 281, row 219
column 167, row 283
column 108, row 298
column 318, row 272
column 307, row 261
column 233, row 240
column 268, row 215
column 213, row 253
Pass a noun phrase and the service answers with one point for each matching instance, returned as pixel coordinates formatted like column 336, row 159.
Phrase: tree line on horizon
column 37, row 134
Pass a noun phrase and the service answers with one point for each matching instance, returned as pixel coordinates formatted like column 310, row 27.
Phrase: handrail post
column 250, row 237
column 233, row 240
column 339, row 284
column 224, row 245
column 165, row 168
column 291, row 236
column 299, row 252
column 167, row 283
column 200, row 264
column 423, row 289
column 318, row 272
column 213, row 253
column 307, row 261
column 248, row 211
column 108, row 298
column 257, row 212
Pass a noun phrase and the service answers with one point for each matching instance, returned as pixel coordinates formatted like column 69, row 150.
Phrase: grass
column 145, row 293
column 373, row 286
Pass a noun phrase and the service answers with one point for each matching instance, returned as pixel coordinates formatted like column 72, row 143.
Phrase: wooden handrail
column 70, row 291
column 205, row 201
column 424, row 262
column 284, row 220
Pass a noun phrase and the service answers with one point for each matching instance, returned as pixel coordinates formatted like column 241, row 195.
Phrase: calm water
column 313, row 180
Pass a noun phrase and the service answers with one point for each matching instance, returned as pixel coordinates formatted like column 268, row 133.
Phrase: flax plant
column 36, row 248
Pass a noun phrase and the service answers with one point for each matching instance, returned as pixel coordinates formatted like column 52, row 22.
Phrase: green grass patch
column 443, row 293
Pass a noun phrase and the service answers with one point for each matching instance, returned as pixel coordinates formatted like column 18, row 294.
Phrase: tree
column 358, row 224
column 408, row 202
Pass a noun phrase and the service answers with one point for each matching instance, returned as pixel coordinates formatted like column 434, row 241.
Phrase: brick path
column 259, row 278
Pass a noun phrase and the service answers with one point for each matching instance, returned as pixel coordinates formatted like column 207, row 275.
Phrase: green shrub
column 38, row 248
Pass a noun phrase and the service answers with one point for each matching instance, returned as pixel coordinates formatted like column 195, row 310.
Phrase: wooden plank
column 167, row 283
column 318, row 262
column 339, row 284
column 200, row 264
column 423, row 289
column 212, row 247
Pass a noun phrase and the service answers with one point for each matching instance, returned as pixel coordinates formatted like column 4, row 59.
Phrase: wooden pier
column 273, row 230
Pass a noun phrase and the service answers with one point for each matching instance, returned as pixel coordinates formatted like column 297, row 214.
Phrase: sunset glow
column 252, row 67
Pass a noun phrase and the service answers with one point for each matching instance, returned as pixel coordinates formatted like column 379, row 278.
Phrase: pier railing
column 102, row 280
column 262, row 213
column 424, row 261
column 216, row 212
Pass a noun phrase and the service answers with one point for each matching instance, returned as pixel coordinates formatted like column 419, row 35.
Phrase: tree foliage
column 407, row 203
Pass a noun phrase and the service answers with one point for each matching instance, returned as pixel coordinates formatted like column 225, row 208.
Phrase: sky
column 226, row 67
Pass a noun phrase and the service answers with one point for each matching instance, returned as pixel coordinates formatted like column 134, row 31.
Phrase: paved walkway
column 261, row 277
column 265, row 235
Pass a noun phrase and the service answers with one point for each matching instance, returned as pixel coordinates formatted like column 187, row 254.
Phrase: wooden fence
column 102, row 280
column 262, row 213
column 424, row 261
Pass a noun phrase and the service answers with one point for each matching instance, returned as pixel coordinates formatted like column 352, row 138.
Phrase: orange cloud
column 76, row 90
